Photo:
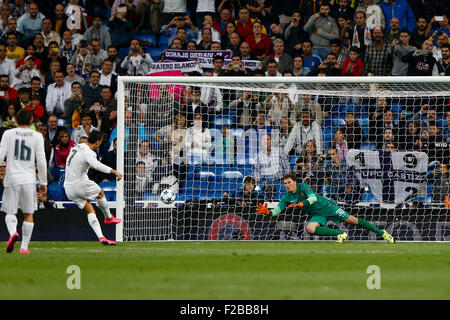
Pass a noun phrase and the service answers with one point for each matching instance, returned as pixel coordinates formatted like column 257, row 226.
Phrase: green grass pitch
column 227, row 271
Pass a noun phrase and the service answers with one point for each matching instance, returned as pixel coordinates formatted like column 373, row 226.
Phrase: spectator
column 434, row 144
column 421, row 62
column 84, row 129
column 284, row 131
column 230, row 28
column 98, row 54
column 42, row 128
column 224, row 147
column 57, row 93
column 30, row 23
column 298, row 69
column 353, row 131
column 62, row 150
column 41, row 50
column 387, row 138
column 143, row 182
column 339, row 143
column 205, row 40
column 54, row 54
column 330, row 67
column 218, row 65
column 260, row 44
column 381, row 120
column 284, row 60
column 37, row 108
column 24, row 98
column 426, row 115
column 24, row 74
column 49, row 76
column 310, row 61
column 244, row 25
column 234, row 43
column 6, row 92
column 295, row 34
column 353, row 65
column 100, row 118
column 6, row 65
column 59, row 19
column 99, row 32
column 5, row 14
column 375, row 13
column 173, row 8
column 343, row 9
column 75, row 106
column 322, row 28
column 196, row 106
column 107, row 76
column 394, row 32
column 30, row 51
column 340, row 179
column 419, row 34
column 208, row 23
column 175, row 131
column 407, row 138
column 272, row 162
column 67, row 47
column 401, row 10
column 198, row 141
column 444, row 63
column 120, row 27
column 443, row 26
column 272, row 69
column 170, row 30
column 13, row 51
column 235, row 68
column 53, row 129
column 377, row 59
column 12, row 29
column 309, row 155
column 306, row 103
column 113, row 52
column 440, row 178
column 36, row 89
column 48, row 34
column 137, row 63
column 92, row 89
column 224, row 22
column 9, row 117
column 278, row 105
column 398, row 50
column 303, row 131
column 110, row 103
column 245, row 53
column 246, row 107
column 442, row 39
column 248, row 196
column 83, row 59
column 144, row 155
column 340, row 51
column 276, row 32
column 72, row 76
column 360, row 34
column 308, row 8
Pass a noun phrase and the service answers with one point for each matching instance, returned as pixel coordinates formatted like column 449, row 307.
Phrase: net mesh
column 223, row 147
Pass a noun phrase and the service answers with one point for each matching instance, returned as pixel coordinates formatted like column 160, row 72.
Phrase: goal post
column 209, row 138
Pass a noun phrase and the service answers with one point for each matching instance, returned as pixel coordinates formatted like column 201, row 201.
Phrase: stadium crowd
column 61, row 59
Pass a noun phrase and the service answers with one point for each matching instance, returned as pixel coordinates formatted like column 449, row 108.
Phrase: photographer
column 180, row 22
column 330, row 67
column 295, row 35
column 421, row 62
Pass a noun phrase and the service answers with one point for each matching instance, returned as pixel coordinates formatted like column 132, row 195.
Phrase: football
column 167, row 196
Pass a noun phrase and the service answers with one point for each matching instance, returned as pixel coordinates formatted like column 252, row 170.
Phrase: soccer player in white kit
column 23, row 148
column 81, row 190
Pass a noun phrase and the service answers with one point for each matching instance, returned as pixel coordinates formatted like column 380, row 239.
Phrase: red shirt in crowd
column 261, row 48
column 358, row 67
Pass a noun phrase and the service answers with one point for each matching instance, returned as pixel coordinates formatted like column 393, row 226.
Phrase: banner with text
column 205, row 57
column 184, row 67
column 393, row 177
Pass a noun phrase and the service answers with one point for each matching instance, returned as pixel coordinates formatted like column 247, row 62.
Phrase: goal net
column 378, row 147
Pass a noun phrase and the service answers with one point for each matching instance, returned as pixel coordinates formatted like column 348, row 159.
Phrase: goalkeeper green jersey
column 314, row 204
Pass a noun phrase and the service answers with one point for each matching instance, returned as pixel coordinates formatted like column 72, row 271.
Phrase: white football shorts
column 80, row 194
column 23, row 197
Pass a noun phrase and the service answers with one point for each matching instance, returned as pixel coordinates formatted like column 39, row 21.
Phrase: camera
column 97, row 108
column 322, row 14
column 330, row 64
column 235, row 66
column 294, row 19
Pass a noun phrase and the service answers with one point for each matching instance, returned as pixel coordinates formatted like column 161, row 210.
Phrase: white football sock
column 11, row 223
column 102, row 203
column 95, row 225
column 27, row 230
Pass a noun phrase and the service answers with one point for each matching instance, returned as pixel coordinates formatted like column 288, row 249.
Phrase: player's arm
column 41, row 163
column 97, row 165
column 263, row 208
column 311, row 196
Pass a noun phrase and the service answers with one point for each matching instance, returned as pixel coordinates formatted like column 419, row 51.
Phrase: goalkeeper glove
column 262, row 209
column 294, row 205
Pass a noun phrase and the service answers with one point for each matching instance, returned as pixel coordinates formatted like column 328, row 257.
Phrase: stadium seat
column 235, row 174
column 338, row 123
column 123, row 52
column 109, row 188
column 147, row 37
column 163, row 42
column 155, row 53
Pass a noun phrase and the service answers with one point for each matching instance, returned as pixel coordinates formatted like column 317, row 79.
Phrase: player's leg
column 369, row 226
column 10, row 205
column 102, row 203
column 88, row 208
column 316, row 226
column 28, row 205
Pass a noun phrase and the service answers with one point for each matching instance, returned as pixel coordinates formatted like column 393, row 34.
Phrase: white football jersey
column 80, row 158
column 23, row 148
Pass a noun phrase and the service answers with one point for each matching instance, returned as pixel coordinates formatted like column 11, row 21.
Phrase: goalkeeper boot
column 341, row 237
column 113, row 220
column 24, row 251
column 107, row 242
column 386, row 236
column 11, row 242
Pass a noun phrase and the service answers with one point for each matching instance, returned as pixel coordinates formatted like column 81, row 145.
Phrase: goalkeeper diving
column 301, row 195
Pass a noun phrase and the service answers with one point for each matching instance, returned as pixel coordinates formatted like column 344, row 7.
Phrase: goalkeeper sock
column 11, row 223
column 368, row 226
column 324, row 231
column 102, row 203
column 27, row 230
column 95, row 225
